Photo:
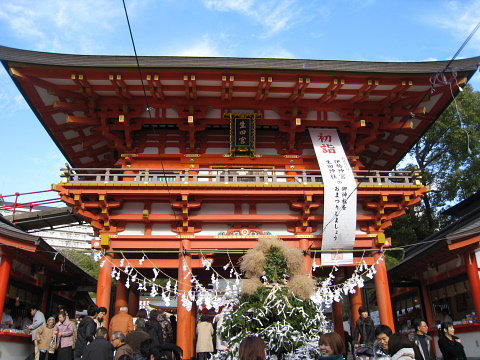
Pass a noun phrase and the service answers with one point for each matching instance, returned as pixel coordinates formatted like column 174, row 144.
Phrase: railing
column 230, row 176
column 12, row 203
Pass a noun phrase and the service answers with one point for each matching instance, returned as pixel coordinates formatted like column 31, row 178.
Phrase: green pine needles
column 289, row 325
column 276, row 269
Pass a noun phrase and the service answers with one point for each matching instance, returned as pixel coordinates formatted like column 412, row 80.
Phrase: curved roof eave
column 232, row 63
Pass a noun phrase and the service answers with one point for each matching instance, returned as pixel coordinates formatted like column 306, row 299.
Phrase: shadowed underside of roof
column 95, row 107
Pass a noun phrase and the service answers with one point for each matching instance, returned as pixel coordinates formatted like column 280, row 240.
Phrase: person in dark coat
column 86, row 332
column 136, row 337
column 449, row 344
column 166, row 351
column 364, row 329
column 422, row 342
column 154, row 328
column 145, row 349
column 173, row 321
column 121, row 347
column 100, row 319
column 100, row 348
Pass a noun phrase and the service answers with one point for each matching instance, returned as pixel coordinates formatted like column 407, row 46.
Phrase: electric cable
column 147, row 105
column 438, row 77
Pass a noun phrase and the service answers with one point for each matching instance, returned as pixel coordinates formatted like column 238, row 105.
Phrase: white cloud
column 275, row 16
column 10, row 98
column 459, row 16
column 203, row 47
column 64, row 26
column 230, row 5
column 22, row 20
column 273, row 52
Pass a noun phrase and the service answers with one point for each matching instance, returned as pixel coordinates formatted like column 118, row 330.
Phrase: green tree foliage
column 82, row 260
column 449, row 156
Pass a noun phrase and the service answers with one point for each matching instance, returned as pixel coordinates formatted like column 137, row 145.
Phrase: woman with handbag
column 63, row 331
column 44, row 340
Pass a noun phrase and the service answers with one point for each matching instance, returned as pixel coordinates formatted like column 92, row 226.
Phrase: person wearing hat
column 44, row 339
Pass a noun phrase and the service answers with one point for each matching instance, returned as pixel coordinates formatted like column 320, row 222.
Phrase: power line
column 147, row 106
column 439, row 76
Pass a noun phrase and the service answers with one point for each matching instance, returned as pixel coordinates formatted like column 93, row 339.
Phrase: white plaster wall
column 213, row 229
column 99, row 145
column 270, row 114
column 162, row 229
column 161, row 208
column 15, row 351
column 266, row 151
column 276, row 229
column 46, row 97
column 312, row 115
column 171, row 113
column 133, row 229
column 150, row 150
column 130, row 208
column 214, row 113
column 267, row 209
column 217, row 208
column 59, row 118
column 223, row 150
column 172, row 150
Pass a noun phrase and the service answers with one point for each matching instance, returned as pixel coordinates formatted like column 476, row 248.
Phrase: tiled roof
column 8, row 229
column 34, row 57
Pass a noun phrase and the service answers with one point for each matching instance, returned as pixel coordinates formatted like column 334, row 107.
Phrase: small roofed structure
column 34, row 273
column 442, row 274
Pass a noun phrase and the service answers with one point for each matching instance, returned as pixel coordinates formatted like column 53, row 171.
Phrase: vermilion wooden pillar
column 133, row 299
column 356, row 302
column 45, row 298
column 304, row 245
column 473, row 277
column 5, row 269
column 104, row 286
column 184, row 317
column 382, row 288
column 193, row 327
column 337, row 308
column 121, row 295
column 426, row 302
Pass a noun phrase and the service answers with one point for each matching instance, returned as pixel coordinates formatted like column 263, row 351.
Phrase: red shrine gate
column 160, row 170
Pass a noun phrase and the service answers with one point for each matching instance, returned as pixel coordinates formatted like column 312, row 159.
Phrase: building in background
column 441, row 274
column 58, row 226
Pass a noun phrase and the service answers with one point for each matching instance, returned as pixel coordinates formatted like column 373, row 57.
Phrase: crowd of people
column 418, row 345
column 90, row 337
column 151, row 336
column 375, row 343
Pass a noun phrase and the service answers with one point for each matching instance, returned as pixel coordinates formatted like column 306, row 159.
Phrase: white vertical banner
column 340, row 199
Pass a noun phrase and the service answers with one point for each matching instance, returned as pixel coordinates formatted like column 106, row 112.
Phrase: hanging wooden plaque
column 242, row 134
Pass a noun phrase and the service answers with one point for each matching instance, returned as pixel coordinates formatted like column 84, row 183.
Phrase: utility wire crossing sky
column 362, row 30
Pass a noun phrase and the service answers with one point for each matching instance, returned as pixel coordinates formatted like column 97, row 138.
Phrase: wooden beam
column 463, row 243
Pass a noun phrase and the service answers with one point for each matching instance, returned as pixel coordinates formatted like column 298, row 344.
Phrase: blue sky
column 366, row 30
